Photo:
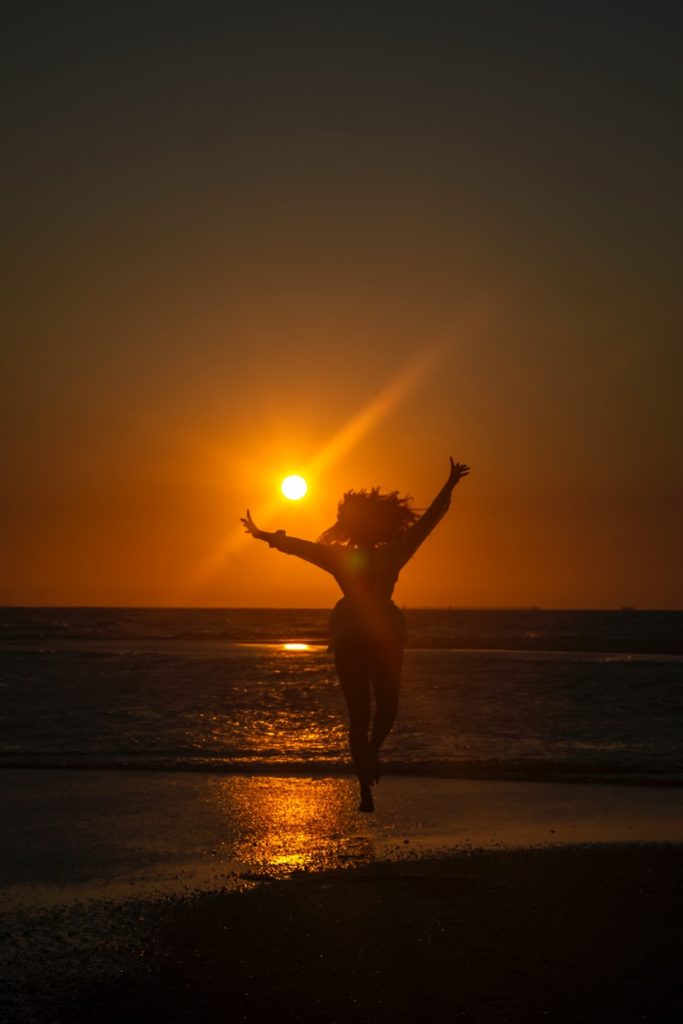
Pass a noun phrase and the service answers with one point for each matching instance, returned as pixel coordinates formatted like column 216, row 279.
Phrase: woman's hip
column 368, row 625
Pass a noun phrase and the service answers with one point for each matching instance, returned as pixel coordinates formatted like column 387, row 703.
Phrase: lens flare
column 389, row 397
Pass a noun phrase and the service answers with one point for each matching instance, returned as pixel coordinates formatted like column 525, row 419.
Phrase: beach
column 195, row 897
column 181, row 840
column 566, row 934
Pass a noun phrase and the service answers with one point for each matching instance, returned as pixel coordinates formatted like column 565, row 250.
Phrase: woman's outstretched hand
column 458, row 471
column 251, row 527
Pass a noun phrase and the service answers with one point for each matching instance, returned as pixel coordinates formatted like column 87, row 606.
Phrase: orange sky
column 225, row 245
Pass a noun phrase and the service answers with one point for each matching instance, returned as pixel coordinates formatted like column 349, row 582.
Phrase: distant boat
column 627, row 608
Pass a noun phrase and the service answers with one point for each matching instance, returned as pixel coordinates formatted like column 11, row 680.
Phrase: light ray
column 398, row 388
column 395, row 391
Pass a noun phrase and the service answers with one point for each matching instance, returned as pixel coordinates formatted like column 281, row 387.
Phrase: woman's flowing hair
column 369, row 517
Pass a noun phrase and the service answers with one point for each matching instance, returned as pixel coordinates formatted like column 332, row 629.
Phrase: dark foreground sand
column 581, row 933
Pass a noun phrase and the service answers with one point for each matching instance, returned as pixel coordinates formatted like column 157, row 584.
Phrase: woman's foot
column 366, row 801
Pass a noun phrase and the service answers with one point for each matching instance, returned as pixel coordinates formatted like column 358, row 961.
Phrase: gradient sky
column 231, row 232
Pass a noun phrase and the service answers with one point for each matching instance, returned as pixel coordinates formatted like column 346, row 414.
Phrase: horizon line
column 626, row 608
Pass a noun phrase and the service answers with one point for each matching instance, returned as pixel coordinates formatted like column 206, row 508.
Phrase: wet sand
column 544, row 921
column 82, row 835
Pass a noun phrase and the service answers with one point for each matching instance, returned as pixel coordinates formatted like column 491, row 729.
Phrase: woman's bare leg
column 353, row 670
column 386, row 679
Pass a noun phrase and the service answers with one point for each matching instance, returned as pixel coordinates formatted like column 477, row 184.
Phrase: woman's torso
column 367, row 577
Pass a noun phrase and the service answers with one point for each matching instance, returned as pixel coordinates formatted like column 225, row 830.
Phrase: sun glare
column 294, row 487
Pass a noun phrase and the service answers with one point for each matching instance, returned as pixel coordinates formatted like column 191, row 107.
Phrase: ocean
column 547, row 695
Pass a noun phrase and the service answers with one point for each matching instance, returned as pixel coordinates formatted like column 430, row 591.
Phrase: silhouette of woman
column 374, row 536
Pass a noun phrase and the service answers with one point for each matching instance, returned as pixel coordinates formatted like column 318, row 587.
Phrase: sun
column 294, row 487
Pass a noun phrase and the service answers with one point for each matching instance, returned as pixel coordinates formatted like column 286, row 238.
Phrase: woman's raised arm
column 317, row 554
column 419, row 532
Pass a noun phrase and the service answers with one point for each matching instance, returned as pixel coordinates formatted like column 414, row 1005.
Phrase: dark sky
column 226, row 228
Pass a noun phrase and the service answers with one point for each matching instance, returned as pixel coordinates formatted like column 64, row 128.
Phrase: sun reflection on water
column 285, row 825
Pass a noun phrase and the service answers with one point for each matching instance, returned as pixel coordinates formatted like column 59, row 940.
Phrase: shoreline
column 79, row 835
column 171, row 898
column 548, row 773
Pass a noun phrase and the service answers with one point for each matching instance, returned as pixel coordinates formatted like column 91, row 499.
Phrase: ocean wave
column 625, row 631
column 532, row 770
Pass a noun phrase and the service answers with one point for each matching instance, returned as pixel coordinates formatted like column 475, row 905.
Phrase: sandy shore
column 552, row 918
column 561, row 934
